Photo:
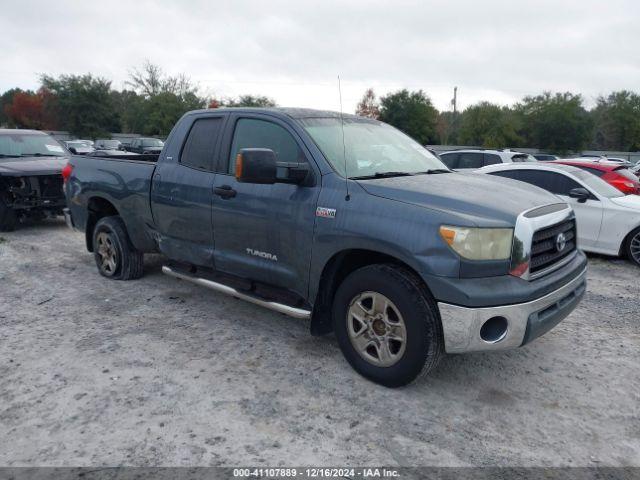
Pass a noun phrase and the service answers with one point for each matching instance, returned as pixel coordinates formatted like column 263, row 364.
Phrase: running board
column 219, row 287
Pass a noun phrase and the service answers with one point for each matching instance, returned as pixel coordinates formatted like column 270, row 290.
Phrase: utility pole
column 454, row 102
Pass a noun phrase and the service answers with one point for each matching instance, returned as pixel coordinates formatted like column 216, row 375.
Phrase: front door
column 182, row 191
column 264, row 232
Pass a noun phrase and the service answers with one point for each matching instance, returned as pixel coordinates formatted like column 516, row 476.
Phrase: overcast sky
column 293, row 51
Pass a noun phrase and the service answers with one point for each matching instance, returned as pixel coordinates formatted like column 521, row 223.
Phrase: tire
column 632, row 246
column 8, row 217
column 115, row 256
column 408, row 303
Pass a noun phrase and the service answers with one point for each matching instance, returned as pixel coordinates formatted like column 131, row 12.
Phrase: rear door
column 264, row 232
column 182, row 192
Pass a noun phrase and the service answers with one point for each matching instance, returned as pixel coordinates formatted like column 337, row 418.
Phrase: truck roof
column 290, row 112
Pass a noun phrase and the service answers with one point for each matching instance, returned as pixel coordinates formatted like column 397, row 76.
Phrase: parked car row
column 141, row 145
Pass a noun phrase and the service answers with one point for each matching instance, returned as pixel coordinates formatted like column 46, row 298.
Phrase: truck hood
column 483, row 199
column 19, row 167
column 628, row 201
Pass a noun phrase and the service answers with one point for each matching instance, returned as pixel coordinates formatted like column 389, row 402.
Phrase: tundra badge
column 326, row 212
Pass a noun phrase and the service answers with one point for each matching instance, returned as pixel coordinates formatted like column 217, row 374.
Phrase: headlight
column 479, row 243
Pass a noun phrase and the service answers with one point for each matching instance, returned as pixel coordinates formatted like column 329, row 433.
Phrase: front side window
column 254, row 133
column 359, row 147
column 199, row 147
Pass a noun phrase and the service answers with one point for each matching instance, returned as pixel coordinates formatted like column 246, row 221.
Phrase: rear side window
column 450, row 159
column 253, row 133
column 199, row 147
column 470, row 160
column 556, row 183
column 595, row 171
column 491, row 159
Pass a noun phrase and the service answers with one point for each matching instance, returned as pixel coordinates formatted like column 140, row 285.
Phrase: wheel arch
column 97, row 207
column 626, row 239
column 335, row 270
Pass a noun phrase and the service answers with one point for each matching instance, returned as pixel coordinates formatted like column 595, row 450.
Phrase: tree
column 158, row 100
column 368, row 106
column 151, row 80
column 259, row 101
column 556, row 123
column 31, row 110
column 6, row 99
column 489, row 125
column 83, row 104
column 411, row 112
column 617, row 121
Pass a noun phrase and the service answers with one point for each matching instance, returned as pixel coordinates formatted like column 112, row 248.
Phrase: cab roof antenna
column 344, row 145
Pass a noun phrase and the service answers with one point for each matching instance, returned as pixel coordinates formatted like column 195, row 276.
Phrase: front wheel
column 632, row 246
column 387, row 325
column 115, row 256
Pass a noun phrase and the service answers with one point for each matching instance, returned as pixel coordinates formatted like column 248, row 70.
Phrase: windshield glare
column 21, row 144
column 369, row 147
column 597, row 184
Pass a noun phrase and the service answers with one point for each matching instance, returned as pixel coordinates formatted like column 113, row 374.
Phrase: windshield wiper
column 432, row 171
column 4, row 155
column 383, row 175
column 39, row 155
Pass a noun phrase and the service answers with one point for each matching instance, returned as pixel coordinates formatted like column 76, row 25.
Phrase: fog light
column 494, row 329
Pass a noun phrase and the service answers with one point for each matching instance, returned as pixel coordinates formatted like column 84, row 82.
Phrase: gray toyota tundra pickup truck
column 341, row 220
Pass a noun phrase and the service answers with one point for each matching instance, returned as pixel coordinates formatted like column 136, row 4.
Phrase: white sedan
column 608, row 221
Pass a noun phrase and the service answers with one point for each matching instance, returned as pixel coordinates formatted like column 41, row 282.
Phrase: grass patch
column 3, row 240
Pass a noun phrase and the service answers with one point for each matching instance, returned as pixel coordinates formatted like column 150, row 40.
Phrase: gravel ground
column 159, row 372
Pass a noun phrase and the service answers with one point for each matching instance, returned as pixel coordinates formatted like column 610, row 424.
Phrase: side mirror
column 580, row 194
column 260, row 165
column 73, row 150
column 256, row 165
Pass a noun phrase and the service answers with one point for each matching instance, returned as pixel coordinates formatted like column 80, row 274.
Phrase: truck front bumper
column 468, row 329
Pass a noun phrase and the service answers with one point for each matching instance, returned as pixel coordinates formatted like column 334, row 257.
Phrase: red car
column 613, row 173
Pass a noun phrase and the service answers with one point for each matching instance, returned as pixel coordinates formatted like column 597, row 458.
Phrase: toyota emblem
column 561, row 242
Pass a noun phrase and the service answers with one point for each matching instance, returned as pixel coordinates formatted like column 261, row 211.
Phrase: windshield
column 597, row 184
column 369, row 147
column 21, row 144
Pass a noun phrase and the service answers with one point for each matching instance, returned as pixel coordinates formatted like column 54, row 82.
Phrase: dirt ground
column 159, row 372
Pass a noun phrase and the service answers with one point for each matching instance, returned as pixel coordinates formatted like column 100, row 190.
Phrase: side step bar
column 219, row 287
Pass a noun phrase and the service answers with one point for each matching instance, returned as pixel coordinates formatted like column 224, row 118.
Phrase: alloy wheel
column 376, row 329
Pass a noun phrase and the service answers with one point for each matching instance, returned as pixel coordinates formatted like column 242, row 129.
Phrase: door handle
column 225, row 191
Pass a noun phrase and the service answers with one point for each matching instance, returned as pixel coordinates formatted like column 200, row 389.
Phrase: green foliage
column 557, row 123
column 411, row 112
column 250, row 101
column 489, row 125
column 83, row 104
column 617, row 120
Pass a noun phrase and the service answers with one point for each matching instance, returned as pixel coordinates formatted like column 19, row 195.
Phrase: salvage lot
column 161, row 372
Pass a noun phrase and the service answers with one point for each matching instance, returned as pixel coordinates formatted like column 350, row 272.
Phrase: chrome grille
column 544, row 246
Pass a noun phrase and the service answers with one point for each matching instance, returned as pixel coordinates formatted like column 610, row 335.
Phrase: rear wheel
column 387, row 325
column 115, row 256
column 632, row 246
column 8, row 217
